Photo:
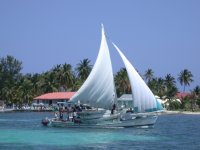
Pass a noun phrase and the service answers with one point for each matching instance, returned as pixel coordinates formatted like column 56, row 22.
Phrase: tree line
column 17, row 88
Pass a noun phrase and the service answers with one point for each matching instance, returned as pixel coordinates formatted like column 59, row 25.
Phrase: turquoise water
column 24, row 131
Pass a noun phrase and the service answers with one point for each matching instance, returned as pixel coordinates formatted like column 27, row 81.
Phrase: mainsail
column 143, row 98
column 98, row 90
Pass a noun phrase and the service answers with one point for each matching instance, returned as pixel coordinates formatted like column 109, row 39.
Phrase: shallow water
column 24, row 131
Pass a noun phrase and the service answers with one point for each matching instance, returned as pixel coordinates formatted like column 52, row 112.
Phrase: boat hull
column 134, row 121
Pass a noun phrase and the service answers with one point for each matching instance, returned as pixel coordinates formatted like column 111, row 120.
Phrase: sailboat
column 98, row 91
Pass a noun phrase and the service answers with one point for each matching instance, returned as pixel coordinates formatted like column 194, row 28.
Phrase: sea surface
column 23, row 131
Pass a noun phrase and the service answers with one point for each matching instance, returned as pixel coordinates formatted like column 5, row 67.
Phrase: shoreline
column 18, row 110
column 164, row 112
column 170, row 112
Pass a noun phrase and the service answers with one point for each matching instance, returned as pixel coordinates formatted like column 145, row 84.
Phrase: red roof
column 55, row 96
column 182, row 95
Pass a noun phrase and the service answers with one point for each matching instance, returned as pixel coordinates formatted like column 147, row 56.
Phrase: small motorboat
column 45, row 121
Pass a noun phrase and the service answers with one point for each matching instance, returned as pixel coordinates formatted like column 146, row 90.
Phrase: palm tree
column 24, row 90
column 83, row 69
column 76, row 83
column 36, row 89
column 161, row 87
column 157, row 86
column 49, row 82
column 68, row 75
column 9, row 74
column 122, row 82
column 7, row 94
column 185, row 78
column 170, row 86
column 169, row 81
column 170, row 90
column 64, row 76
column 195, row 95
column 196, row 92
column 148, row 75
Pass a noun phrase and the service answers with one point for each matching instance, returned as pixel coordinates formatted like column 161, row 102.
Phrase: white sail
column 144, row 100
column 98, row 90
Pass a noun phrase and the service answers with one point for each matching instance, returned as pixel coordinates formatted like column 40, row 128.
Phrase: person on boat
column 61, row 116
column 78, row 108
column 61, row 113
column 68, row 112
column 63, row 108
column 130, row 110
column 113, row 109
column 74, row 112
column 56, row 115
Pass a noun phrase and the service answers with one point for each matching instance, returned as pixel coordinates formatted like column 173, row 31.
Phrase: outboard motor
column 45, row 121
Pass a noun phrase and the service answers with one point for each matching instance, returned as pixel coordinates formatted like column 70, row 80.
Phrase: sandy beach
column 179, row 112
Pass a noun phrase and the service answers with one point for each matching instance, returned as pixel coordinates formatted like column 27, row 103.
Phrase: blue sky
column 163, row 35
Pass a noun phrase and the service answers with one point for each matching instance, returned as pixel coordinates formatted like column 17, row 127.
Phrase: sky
column 163, row 35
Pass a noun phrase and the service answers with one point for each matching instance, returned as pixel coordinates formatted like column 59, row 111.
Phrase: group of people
column 71, row 112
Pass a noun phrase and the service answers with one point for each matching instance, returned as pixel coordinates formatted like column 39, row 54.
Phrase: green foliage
column 9, row 75
column 157, row 86
column 198, row 102
column 83, row 69
column 163, row 87
column 122, row 82
column 21, row 89
column 149, row 75
column 186, row 104
column 174, row 105
column 185, row 78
